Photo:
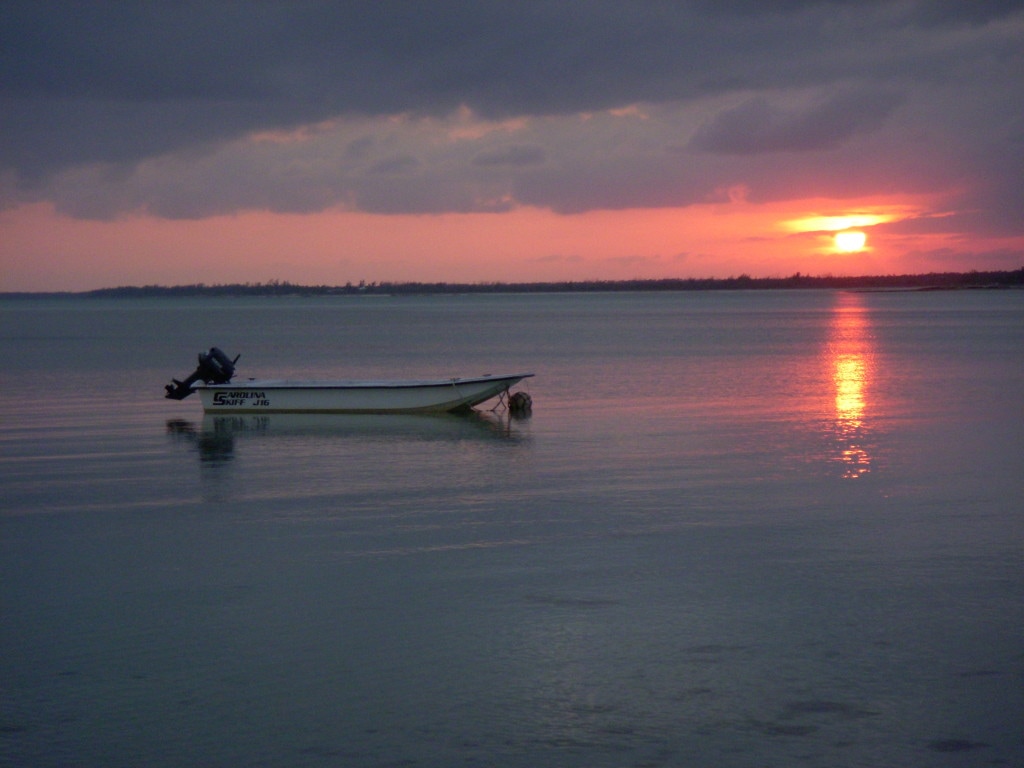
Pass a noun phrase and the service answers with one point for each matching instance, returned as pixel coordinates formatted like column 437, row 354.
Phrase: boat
column 213, row 376
column 371, row 396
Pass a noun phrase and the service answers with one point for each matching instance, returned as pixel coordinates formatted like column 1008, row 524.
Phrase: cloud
column 512, row 155
column 160, row 75
column 757, row 125
column 457, row 106
column 398, row 165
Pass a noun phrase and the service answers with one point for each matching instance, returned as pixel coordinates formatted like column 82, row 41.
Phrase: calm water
column 740, row 529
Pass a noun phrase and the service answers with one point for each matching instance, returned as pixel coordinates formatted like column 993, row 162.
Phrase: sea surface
column 739, row 529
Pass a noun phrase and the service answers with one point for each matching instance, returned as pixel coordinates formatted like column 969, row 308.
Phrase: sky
column 314, row 142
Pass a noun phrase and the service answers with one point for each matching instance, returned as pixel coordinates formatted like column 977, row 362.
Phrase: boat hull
column 433, row 396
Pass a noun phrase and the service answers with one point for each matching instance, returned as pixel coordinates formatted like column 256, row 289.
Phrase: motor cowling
column 214, row 368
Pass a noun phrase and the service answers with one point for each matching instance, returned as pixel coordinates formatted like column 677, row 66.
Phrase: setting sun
column 849, row 241
column 846, row 232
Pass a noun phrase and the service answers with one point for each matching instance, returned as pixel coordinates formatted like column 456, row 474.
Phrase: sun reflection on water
column 850, row 361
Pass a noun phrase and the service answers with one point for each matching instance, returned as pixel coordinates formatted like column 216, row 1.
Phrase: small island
column 942, row 281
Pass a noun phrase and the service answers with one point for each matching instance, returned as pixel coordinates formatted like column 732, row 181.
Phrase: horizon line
column 973, row 278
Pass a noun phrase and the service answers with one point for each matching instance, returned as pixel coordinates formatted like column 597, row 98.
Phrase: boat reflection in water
column 215, row 436
column 850, row 360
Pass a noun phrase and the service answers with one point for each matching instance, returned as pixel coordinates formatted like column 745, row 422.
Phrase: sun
column 850, row 240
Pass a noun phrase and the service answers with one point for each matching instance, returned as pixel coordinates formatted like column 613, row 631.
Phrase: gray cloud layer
column 460, row 105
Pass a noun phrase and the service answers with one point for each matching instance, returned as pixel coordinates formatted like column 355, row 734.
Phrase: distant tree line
column 931, row 281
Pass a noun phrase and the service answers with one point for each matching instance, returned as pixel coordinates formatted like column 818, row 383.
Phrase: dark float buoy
column 520, row 403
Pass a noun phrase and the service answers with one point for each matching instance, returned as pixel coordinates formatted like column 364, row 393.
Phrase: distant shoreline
column 944, row 281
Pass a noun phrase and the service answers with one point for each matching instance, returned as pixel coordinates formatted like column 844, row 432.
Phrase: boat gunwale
column 364, row 384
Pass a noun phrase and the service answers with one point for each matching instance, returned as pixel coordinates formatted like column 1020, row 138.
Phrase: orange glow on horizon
column 837, row 223
column 44, row 250
column 843, row 233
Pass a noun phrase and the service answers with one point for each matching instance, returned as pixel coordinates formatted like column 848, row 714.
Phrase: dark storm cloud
column 116, row 81
column 757, row 126
column 396, row 165
column 122, row 85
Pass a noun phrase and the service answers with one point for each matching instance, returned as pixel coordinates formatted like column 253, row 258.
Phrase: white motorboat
column 429, row 396
column 221, row 395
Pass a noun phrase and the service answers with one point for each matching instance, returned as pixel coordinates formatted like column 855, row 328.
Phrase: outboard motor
column 214, row 368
